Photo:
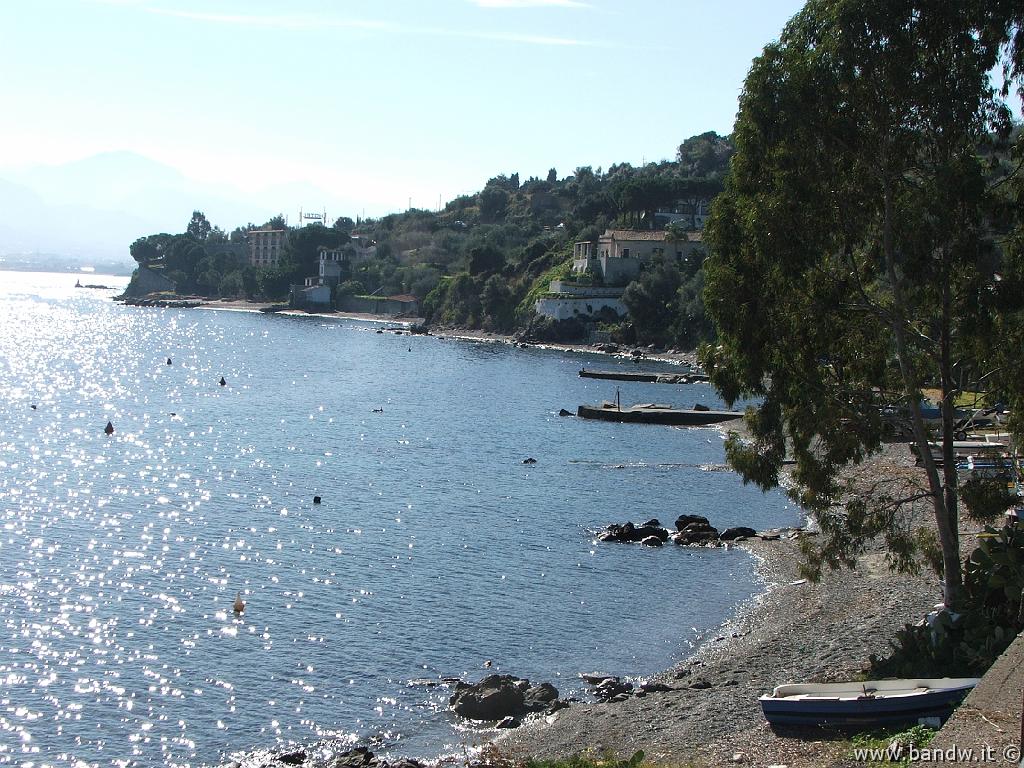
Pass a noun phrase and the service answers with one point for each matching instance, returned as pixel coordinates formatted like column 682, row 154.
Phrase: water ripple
column 433, row 549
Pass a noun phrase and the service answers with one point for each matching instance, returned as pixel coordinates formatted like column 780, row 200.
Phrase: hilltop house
column 619, row 254
column 613, row 261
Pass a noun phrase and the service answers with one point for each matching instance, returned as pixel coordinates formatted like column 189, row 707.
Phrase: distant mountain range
column 93, row 209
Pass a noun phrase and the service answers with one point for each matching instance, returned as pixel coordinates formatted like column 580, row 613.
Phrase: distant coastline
column 63, row 265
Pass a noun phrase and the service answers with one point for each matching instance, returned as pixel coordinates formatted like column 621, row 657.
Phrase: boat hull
column 645, row 376
column 862, row 706
column 670, row 416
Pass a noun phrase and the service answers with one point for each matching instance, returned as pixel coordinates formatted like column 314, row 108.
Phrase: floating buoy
column 169, row 361
column 222, row 382
column 316, row 499
column 109, row 429
column 239, row 604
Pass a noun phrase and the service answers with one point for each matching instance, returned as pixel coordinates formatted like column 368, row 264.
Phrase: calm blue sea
column 434, row 550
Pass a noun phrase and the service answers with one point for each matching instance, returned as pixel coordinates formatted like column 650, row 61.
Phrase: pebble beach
column 795, row 631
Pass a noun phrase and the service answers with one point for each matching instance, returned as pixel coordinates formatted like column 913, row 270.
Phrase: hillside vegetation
column 483, row 260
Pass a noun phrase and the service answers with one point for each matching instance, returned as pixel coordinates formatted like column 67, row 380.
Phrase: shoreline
column 711, row 714
column 673, row 357
column 790, row 631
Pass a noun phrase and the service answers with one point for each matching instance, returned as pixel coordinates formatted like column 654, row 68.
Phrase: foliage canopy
column 858, row 251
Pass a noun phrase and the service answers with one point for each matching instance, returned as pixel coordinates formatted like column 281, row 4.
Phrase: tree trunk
column 948, row 539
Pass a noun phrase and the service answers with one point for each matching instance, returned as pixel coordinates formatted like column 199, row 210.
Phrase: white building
column 311, row 295
column 565, row 300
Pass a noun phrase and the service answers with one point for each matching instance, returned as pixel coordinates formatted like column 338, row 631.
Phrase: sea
column 435, row 552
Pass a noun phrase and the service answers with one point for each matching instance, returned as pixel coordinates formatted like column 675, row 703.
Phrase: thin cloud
column 530, row 4
column 292, row 21
column 503, row 37
column 302, row 22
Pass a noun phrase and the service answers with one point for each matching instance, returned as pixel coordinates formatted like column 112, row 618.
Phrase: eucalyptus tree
column 853, row 256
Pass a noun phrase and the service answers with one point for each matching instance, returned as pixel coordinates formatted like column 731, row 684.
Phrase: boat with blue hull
column 867, row 704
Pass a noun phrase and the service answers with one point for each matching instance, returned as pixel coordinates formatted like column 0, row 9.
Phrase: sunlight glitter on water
column 121, row 555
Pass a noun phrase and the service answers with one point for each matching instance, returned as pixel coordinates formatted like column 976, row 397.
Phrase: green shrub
column 966, row 644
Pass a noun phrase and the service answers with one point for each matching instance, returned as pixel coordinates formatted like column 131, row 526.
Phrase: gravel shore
column 795, row 631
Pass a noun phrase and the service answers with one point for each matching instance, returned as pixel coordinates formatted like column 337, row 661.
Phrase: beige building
column 266, row 246
column 619, row 254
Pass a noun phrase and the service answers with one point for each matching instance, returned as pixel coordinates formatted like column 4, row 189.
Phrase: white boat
column 866, row 704
column 962, row 449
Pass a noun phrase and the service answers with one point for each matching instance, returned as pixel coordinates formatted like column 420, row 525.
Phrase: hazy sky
column 374, row 102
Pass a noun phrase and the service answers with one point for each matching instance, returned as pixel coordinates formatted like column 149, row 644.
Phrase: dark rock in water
column 497, row 697
column 169, row 361
column 293, row 758
column 316, row 499
column 700, row 407
column 222, row 382
column 651, row 541
column 564, row 412
column 628, row 532
column 652, row 523
column 540, row 697
column 33, row 406
column 697, row 533
column 530, row 460
column 739, row 532
column 508, row 722
column 494, row 697
column 109, row 429
column 359, row 757
column 684, row 520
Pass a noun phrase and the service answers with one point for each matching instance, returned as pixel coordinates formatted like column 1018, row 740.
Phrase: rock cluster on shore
column 357, row 757
column 609, row 688
column 165, row 303
column 690, row 530
column 504, row 699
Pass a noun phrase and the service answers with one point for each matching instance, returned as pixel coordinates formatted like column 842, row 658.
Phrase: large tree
column 199, row 227
column 853, row 253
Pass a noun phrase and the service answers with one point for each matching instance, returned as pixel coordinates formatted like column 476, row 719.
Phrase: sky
column 363, row 107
